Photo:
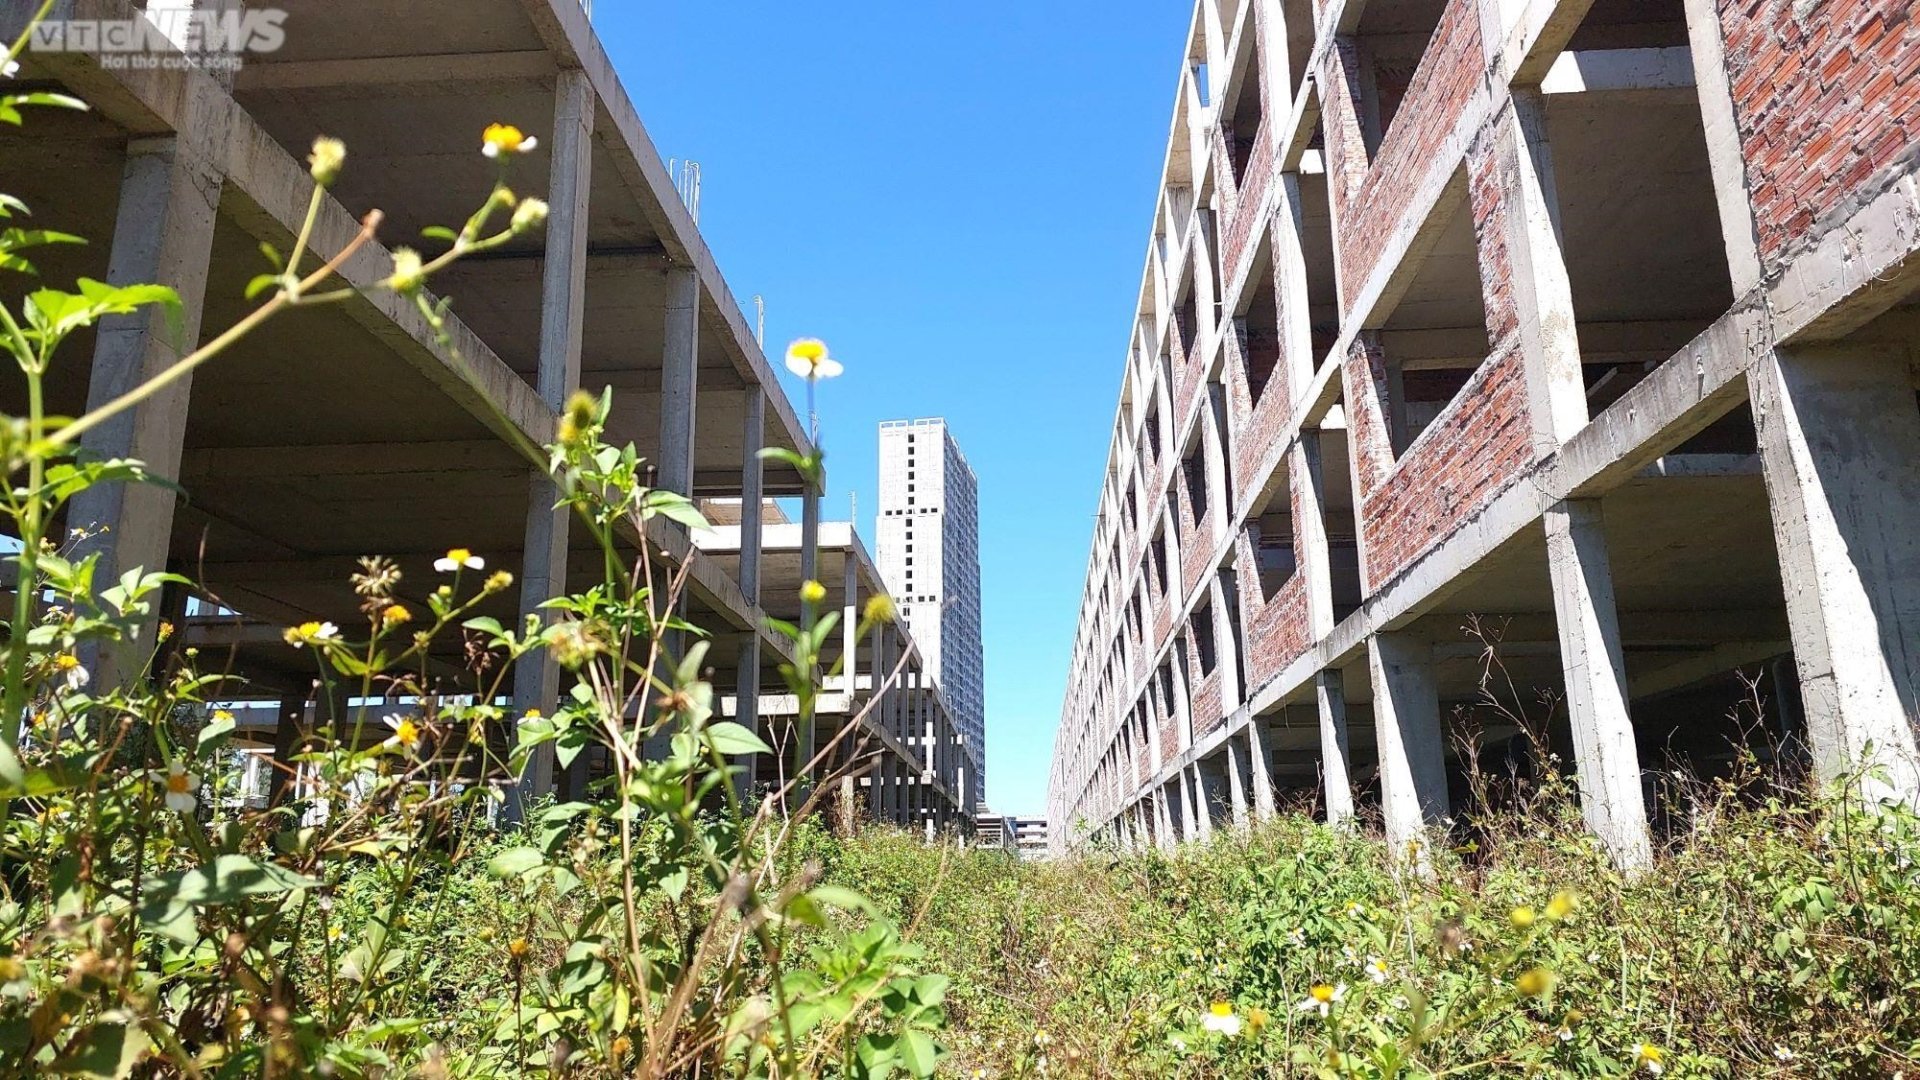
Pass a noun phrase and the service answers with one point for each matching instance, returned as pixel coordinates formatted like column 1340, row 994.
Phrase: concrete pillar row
column 1607, row 756
column 162, row 234
column 563, row 291
column 1406, row 720
column 1839, row 438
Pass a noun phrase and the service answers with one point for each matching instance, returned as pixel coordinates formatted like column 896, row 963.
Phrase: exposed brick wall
column 1371, row 200
column 1472, row 451
column 1207, row 714
column 1276, row 629
column 1255, row 428
column 1827, row 102
column 1243, row 217
column 1488, row 176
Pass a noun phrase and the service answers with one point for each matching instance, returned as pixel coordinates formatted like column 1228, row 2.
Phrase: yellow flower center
column 1221, row 1008
column 66, row 662
column 406, row 732
column 1321, row 993
column 810, row 351
column 459, row 555
column 177, row 783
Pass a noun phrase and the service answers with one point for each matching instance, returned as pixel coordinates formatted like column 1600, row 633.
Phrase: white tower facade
column 929, row 555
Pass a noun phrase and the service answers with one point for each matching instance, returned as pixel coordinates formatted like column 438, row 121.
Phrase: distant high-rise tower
column 929, row 551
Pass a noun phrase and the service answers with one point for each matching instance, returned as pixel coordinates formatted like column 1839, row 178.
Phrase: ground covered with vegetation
column 1775, row 940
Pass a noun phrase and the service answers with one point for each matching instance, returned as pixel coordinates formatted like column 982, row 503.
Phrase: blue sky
column 956, row 196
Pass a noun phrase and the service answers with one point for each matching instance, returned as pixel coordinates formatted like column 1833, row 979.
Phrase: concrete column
column 679, row 380
column 747, row 714
column 162, row 234
column 563, row 290
column 1260, row 768
column 1406, row 721
column 1839, row 437
column 1542, row 294
column 1189, row 821
column 1725, row 155
column 753, row 412
column 1590, row 655
column 1236, row 788
column 849, row 627
column 1202, row 801
column 287, row 736
column 1336, row 758
column 1290, row 279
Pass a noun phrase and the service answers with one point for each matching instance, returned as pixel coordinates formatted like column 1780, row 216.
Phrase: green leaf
column 234, row 876
column 841, row 897
column 729, row 738
column 262, row 283
column 107, row 1050
column 919, row 1053
column 514, row 861
column 217, row 729
column 674, row 883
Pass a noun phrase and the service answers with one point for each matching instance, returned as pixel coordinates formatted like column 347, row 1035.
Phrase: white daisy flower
column 807, row 358
column 181, row 786
column 457, row 559
column 1220, row 1020
column 1322, row 998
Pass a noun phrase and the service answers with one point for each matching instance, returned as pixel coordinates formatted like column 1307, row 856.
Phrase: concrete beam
column 380, row 75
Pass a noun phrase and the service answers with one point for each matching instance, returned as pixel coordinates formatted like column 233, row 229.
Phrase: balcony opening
column 1637, row 219
column 1203, row 642
column 1339, row 520
column 1299, row 17
column 1193, row 474
column 1316, row 244
column 1256, row 327
column 1187, row 321
column 1245, row 121
column 1270, row 534
column 1435, row 337
column 1392, row 41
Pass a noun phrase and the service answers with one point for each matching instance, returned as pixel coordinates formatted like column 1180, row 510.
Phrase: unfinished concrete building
column 349, row 430
column 1592, row 318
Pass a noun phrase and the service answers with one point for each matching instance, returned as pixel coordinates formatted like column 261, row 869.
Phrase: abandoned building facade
column 351, row 430
column 1570, row 340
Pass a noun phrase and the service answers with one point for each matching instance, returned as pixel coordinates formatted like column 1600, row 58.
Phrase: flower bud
column 530, row 214
column 328, row 157
column 409, row 274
